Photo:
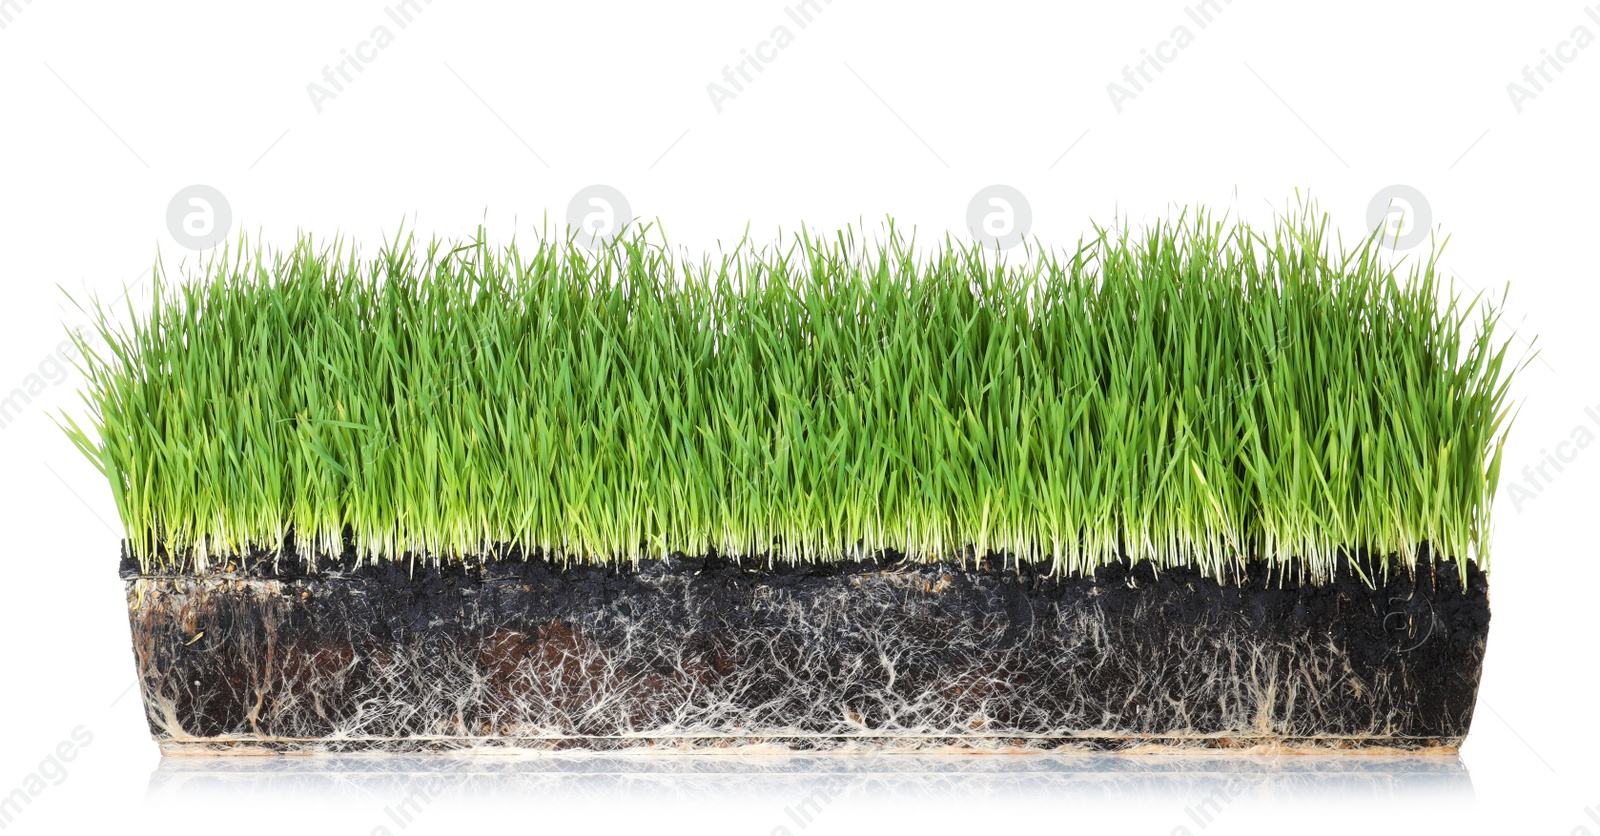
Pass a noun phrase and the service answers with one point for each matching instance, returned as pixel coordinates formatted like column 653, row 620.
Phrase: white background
column 498, row 113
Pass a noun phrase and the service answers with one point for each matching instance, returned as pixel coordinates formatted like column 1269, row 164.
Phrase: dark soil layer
column 880, row 654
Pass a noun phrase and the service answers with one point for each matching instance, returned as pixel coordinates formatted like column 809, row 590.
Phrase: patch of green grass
column 1197, row 394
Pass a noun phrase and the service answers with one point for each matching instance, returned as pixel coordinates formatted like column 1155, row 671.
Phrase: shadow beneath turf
column 1184, row 778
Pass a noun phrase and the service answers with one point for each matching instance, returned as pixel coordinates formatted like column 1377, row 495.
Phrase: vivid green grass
column 1196, row 394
